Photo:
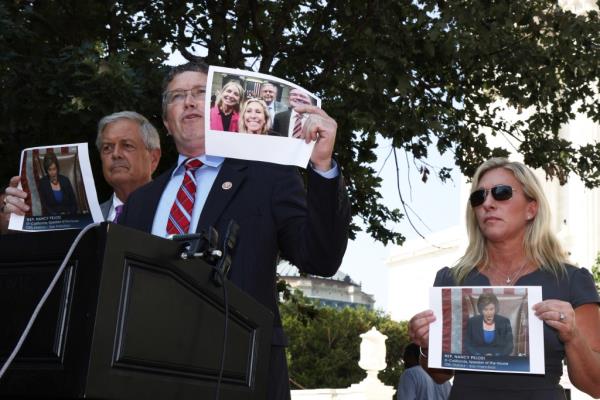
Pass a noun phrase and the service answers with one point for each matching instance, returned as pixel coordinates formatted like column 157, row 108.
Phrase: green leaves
column 325, row 343
column 419, row 73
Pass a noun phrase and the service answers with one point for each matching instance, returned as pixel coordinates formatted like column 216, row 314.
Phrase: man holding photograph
column 276, row 215
column 297, row 98
column 129, row 148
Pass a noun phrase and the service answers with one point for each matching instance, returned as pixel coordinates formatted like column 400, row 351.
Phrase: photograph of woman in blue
column 488, row 333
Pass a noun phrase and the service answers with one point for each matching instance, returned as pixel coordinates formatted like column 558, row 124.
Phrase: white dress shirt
column 205, row 178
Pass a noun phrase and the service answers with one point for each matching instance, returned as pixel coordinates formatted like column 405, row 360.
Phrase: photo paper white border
column 535, row 328
column 247, row 146
column 17, row 222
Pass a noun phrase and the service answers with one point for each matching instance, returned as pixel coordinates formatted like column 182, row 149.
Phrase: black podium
column 128, row 320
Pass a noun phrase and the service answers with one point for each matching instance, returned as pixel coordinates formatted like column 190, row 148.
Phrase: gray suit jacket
column 105, row 207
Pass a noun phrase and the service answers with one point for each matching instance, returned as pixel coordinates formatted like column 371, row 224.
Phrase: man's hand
column 14, row 198
column 320, row 127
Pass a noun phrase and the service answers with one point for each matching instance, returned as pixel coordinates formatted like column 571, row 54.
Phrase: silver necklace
column 510, row 278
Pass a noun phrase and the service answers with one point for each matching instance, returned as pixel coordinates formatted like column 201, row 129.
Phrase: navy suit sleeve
column 312, row 226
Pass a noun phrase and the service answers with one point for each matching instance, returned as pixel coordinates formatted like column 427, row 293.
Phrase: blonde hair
column 242, row 124
column 540, row 243
column 238, row 87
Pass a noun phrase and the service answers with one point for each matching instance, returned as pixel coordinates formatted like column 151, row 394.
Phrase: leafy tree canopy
column 596, row 272
column 324, row 345
column 420, row 73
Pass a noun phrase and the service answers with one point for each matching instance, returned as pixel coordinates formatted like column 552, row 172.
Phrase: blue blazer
column 502, row 345
column 277, row 217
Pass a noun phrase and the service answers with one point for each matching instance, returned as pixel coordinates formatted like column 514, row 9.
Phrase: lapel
column 152, row 198
column 286, row 120
column 232, row 172
column 105, row 208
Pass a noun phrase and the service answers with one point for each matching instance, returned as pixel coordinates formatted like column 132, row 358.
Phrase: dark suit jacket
column 105, row 208
column 502, row 345
column 277, row 216
column 281, row 122
column 49, row 203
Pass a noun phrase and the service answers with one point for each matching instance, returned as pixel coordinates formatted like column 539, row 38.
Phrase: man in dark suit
column 277, row 216
column 129, row 148
column 285, row 121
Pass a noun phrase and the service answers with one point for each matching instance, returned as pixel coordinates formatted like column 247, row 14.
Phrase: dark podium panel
column 128, row 320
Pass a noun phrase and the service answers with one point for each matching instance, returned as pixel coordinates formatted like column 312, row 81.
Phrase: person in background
column 224, row 116
column 511, row 243
column 415, row 383
column 268, row 93
column 129, row 147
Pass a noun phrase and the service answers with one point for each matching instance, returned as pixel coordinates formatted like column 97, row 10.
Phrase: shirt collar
column 116, row 201
column 208, row 161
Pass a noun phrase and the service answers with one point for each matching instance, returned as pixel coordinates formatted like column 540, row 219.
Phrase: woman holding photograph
column 224, row 115
column 56, row 193
column 255, row 117
column 488, row 333
column 511, row 243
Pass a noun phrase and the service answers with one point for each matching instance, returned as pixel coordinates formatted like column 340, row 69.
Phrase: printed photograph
column 486, row 328
column 256, row 117
column 55, row 179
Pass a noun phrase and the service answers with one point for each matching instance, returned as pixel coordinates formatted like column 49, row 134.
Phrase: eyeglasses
column 499, row 192
column 179, row 95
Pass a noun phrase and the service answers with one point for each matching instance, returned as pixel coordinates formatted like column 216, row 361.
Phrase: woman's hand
column 558, row 315
column 418, row 328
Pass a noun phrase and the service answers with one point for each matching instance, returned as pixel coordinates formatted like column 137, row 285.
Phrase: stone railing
column 372, row 360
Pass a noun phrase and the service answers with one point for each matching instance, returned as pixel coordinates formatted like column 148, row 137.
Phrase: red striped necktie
column 297, row 126
column 181, row 212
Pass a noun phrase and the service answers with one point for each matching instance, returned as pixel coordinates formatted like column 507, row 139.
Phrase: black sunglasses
column 499, row 192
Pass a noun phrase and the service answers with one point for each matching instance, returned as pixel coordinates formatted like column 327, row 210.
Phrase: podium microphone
column 229, row 243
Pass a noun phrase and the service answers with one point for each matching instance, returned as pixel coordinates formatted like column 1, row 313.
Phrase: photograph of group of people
column 247, row 102
column 254, row 116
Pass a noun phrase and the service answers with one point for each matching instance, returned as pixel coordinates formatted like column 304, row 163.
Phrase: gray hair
column 147, row 130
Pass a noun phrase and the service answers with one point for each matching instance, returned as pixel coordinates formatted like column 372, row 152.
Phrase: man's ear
column 155, row 158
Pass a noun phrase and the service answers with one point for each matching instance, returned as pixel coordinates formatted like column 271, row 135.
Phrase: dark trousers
column 279, row 386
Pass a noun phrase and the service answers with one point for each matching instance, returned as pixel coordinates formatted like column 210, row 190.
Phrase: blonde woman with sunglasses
column 511, row 243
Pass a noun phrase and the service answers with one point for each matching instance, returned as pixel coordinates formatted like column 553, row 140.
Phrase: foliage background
column 324, row 343
column 422, row 73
